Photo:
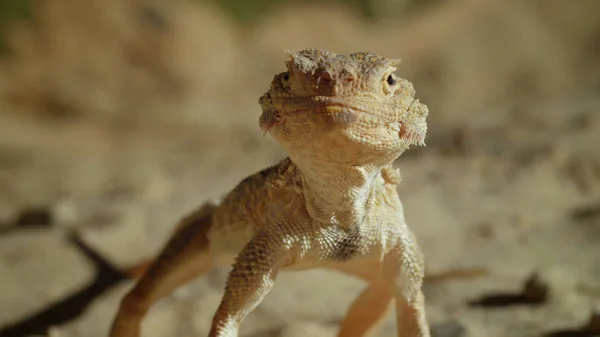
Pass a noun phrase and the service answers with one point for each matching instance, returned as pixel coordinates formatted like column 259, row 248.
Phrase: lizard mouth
column 334, row 105
column 408, row 123
column 348, row 112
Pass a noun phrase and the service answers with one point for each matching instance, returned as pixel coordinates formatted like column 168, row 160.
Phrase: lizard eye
column 389, row 87
column 286, row 76
column 391, row 80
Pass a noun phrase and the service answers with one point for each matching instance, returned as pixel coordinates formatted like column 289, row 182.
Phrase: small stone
column 34, row 217
column 536, row 290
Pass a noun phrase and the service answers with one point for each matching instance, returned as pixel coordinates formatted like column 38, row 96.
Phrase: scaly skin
column 343, row 119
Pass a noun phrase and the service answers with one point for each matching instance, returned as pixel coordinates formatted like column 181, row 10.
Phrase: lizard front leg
column 252, row 276
column 403, row 270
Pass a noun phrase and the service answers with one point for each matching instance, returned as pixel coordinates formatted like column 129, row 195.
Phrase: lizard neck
column 340, row 194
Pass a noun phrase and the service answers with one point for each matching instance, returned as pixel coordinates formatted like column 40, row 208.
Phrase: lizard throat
column 338, row 194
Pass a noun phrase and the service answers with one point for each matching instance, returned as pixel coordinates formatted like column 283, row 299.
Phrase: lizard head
column 352, row 107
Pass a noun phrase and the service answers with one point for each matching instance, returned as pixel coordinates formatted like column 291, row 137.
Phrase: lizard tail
column 137, row 270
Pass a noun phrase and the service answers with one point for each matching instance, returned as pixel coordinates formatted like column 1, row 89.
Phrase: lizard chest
column 332, row 244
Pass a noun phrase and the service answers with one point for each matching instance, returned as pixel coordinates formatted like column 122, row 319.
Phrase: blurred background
column 119, row 116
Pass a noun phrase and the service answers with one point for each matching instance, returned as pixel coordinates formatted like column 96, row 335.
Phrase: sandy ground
column 118, row 117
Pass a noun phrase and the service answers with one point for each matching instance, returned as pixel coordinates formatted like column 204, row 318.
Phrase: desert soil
column 118, row 117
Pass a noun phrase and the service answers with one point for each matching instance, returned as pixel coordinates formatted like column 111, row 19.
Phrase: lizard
column 343, row 120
